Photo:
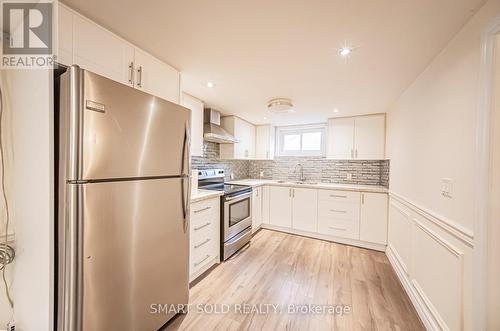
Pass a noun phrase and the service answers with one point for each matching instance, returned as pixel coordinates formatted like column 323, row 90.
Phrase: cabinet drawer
column 203, row 208
column 202, row 250
column 338, row 210
column 339, row 228
column 341, row 196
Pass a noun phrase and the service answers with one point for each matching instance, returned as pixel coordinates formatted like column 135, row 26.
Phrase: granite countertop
column 319, row 185
column 204, row 195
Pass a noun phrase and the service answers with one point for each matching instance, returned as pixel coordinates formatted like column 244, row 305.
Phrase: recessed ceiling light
column 210, row 84
column 336, row 110
column 345, row 51
column 265, row 118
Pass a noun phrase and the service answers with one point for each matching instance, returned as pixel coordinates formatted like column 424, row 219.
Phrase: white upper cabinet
column 369, row 137
column 83, row 42
column 101, row 52
column 64, row 50
column 340, row 138
column 156, row 77
column 244, row 133
column 196, row 107
column 264, row 142
column 357, row 138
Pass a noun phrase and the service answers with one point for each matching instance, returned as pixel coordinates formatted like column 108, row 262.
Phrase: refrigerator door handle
column 186, row 193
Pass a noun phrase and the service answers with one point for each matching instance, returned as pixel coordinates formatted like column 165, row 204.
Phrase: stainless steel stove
column 235, row 212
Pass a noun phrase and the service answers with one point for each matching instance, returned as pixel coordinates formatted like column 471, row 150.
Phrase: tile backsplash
column 282, row 168
column 210, row 160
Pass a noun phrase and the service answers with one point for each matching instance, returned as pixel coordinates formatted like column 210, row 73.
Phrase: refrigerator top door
column 115, row 131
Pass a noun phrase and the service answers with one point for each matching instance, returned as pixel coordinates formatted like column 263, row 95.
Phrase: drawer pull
column 337, row 196
column 337, row 228
column 202, row 260
column 203, row 243
column 202, row 209
column 202, row 226
column 338, row 211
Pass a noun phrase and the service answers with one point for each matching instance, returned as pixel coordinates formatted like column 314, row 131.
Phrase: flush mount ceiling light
column 280, row 106
column 345, row 51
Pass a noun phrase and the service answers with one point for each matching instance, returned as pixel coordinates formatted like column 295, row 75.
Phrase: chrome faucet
column 302, row 178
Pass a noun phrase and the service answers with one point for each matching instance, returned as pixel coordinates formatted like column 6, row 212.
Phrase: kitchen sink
column 296, row 182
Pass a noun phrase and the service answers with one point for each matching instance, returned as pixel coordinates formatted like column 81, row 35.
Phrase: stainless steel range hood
column 212, row 131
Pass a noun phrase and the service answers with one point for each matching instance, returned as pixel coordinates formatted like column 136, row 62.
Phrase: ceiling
column 256, row 50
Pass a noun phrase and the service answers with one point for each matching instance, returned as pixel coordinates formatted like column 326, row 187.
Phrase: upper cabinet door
column 244, row 131
column 264, row 142
column 369, row 137
column 64, row 36
column 341, row 138
column 101, row 52
column 156, row 77
column 196, row 107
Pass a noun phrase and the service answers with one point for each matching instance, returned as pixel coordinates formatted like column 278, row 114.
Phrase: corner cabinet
column 264, row 142
column 356, row 138
column 92, row 47
column 196, row 107
column 244, row 132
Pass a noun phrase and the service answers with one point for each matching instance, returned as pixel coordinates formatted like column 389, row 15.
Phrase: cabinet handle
column 352, row 153
column 202, row 209
column 202, row 260
column 202, row 226
column 131, row 73
column 338, row 196
column 267, row 154
column 139, row 77
column 257, row 193
column 290, row 192
column 338, row 211
column 203, row 243
column 337, row 228
column 363, row 198
column 293, row 193
column 356, row 153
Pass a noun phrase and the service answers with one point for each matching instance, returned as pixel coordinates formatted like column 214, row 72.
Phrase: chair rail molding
column 482, row 169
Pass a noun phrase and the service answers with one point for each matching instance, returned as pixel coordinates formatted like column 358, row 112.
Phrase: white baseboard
column 346, row 241
column 427, row 316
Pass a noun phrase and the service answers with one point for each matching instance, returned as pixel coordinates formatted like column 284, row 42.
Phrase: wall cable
column 7, row 253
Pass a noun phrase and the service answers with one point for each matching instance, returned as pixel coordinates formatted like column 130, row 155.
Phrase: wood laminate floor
column 282, row 269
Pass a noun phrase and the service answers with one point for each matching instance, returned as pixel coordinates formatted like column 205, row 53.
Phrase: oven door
column 237, row 214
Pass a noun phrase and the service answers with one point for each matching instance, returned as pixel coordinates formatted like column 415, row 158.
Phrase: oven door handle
column 239, row 197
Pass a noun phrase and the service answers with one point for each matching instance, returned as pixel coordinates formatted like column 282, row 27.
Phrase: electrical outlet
column 261, row 174
column 231, row 176
column 11, row 326
column 349, row 176
column 447, row 187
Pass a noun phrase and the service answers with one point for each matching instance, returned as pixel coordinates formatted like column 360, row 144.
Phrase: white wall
column 28, row 98
column 494, row 219
column 431, row 134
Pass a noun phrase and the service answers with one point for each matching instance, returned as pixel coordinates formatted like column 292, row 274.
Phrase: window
column 301, row 140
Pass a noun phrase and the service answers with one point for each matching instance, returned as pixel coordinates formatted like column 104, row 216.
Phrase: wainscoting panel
column 433, row 264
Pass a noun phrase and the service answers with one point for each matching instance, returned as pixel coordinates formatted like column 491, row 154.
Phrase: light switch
column 447, row 187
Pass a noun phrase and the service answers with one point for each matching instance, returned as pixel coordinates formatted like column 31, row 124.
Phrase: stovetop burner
column 213, row 179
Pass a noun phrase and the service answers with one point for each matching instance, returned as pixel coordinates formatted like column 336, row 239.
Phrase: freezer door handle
column 186, row 193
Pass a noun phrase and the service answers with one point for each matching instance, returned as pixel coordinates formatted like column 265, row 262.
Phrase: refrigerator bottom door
column 135, row 254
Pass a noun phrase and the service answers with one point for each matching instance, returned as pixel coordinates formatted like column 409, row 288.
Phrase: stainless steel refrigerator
column 123, row 205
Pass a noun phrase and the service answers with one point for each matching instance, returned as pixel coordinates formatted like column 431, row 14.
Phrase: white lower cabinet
column 339, row 214
column 373, row 220
column 256, row 208
column 204, row 228
column 352, row 217
column 266, row 206
column 305, row 209
column 280, row 209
